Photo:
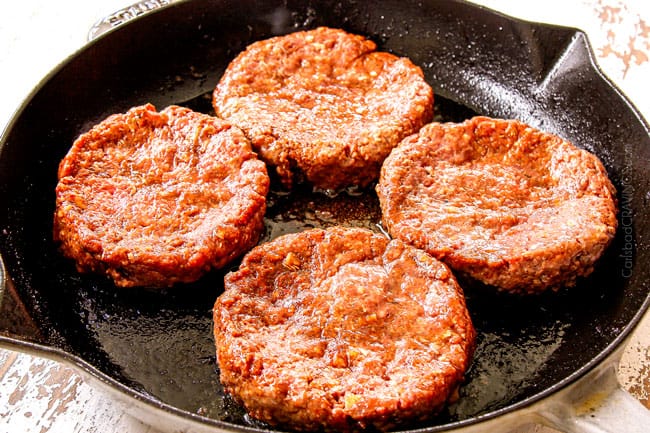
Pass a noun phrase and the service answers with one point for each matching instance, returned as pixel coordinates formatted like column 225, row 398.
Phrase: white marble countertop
column 38, row 395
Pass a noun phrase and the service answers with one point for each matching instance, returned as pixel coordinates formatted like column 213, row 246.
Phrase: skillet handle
column 124, row 15
column 16, row 326
column 598, row 404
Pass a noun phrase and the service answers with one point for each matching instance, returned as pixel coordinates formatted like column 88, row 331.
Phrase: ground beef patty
column 341, row 329
column 323, row 105
column 151, row 199
column 502, row 202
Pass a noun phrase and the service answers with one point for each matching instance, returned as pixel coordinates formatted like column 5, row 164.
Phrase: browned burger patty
column 341, row 329
column 502, row 202
column 323, row 105
column 151, row 199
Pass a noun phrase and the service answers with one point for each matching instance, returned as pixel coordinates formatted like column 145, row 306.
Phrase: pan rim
column 84, row 368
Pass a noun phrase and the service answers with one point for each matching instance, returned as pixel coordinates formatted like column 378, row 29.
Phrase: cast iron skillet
column 154, row 350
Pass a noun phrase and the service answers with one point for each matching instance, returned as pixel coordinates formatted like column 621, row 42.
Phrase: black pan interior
column 159, row 343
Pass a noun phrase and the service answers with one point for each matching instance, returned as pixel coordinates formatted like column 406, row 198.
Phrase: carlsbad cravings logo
column 627, row 227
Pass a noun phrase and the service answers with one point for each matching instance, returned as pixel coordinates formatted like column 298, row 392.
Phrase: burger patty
column 151, row 199
column 341, row 329
column 323, row 105
column 500, row 201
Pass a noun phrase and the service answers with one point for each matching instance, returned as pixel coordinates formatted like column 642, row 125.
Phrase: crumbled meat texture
column 151, row 199
column 341, row 329
column 323, row 105
column 500, row 201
